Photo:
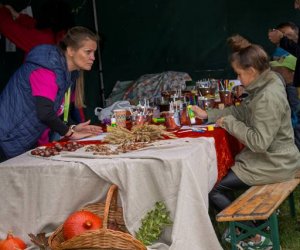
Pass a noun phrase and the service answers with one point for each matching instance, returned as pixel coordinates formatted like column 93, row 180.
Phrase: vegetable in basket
column 80, row 222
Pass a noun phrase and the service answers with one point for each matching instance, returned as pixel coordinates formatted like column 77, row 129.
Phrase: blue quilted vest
column 20, row 127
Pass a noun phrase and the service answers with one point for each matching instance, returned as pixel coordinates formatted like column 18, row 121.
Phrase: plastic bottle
column 113, row 122
column 191, row 114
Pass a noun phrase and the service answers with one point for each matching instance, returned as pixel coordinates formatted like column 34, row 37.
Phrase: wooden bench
column 259, row 203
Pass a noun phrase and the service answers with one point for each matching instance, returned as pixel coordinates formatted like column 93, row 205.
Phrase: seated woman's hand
column 219, row 122
column 199, row 112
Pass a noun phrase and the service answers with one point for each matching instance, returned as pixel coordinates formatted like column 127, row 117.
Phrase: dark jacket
column 20, row 127
column 294, row 49
column 294, row 101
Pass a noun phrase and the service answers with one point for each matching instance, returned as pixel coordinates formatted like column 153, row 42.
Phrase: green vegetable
column 153, row 224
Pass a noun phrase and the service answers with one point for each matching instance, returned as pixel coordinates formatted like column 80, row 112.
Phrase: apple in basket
column 12, row 242
column 80, row 222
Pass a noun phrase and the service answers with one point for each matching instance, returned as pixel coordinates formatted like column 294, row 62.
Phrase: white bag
column 106, row 113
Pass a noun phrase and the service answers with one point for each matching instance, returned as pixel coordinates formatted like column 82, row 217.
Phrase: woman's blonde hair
column 246, row 54
column 79, row 91
column 75, row 37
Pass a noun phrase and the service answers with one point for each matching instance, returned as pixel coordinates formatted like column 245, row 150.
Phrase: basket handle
column 111, row 199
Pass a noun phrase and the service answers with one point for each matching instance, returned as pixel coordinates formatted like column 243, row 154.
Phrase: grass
column 289, row 227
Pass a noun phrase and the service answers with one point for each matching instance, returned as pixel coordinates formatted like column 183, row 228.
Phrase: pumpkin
column 80, row 222
column 12, row 242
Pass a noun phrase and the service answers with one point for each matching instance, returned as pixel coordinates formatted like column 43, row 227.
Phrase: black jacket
column 294, row 49
column 294, row 101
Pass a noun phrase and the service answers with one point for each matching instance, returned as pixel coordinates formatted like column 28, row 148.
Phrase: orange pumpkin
column 80, row 222
column 12, row 242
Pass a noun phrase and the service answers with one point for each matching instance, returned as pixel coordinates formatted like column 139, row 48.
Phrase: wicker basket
column 103, row 238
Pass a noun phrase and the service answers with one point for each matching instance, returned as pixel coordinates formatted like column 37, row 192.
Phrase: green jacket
column 263, row 124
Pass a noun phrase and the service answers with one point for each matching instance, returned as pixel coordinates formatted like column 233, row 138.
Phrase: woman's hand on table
column 199, row 112
column 83, row 130
column 85, row 127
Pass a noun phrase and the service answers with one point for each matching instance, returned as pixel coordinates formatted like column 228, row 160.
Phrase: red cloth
column 23, row 33
column 227, row 147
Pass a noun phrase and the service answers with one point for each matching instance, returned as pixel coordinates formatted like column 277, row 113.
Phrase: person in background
column 33, row 96
column 291, row 45
column 291, row 31
column 52, row 21
column 285, row 66
column 297, row 4
column 261, row 122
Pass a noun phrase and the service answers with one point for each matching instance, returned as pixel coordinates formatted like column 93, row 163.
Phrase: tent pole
column 99, row 56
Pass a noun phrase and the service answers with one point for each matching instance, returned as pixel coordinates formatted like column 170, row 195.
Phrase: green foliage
column 153, row 224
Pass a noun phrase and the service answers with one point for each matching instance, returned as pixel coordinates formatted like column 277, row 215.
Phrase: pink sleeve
column 43, row 83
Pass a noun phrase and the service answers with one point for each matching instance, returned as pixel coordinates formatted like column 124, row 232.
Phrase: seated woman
column 262, row 123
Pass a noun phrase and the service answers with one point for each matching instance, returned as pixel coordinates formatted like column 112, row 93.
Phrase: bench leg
column 273, row 222
column 292, row 205
column 233, row 235
column 249, row 231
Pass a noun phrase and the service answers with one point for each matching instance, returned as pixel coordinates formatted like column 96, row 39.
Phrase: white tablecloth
column 38, row 194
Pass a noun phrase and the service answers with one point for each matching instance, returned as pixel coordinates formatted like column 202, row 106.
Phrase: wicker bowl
column 103, row 238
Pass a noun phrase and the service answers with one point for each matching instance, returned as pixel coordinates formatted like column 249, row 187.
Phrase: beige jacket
column 263, row 124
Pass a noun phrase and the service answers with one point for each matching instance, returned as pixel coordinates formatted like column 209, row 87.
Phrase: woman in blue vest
column 33, row 97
